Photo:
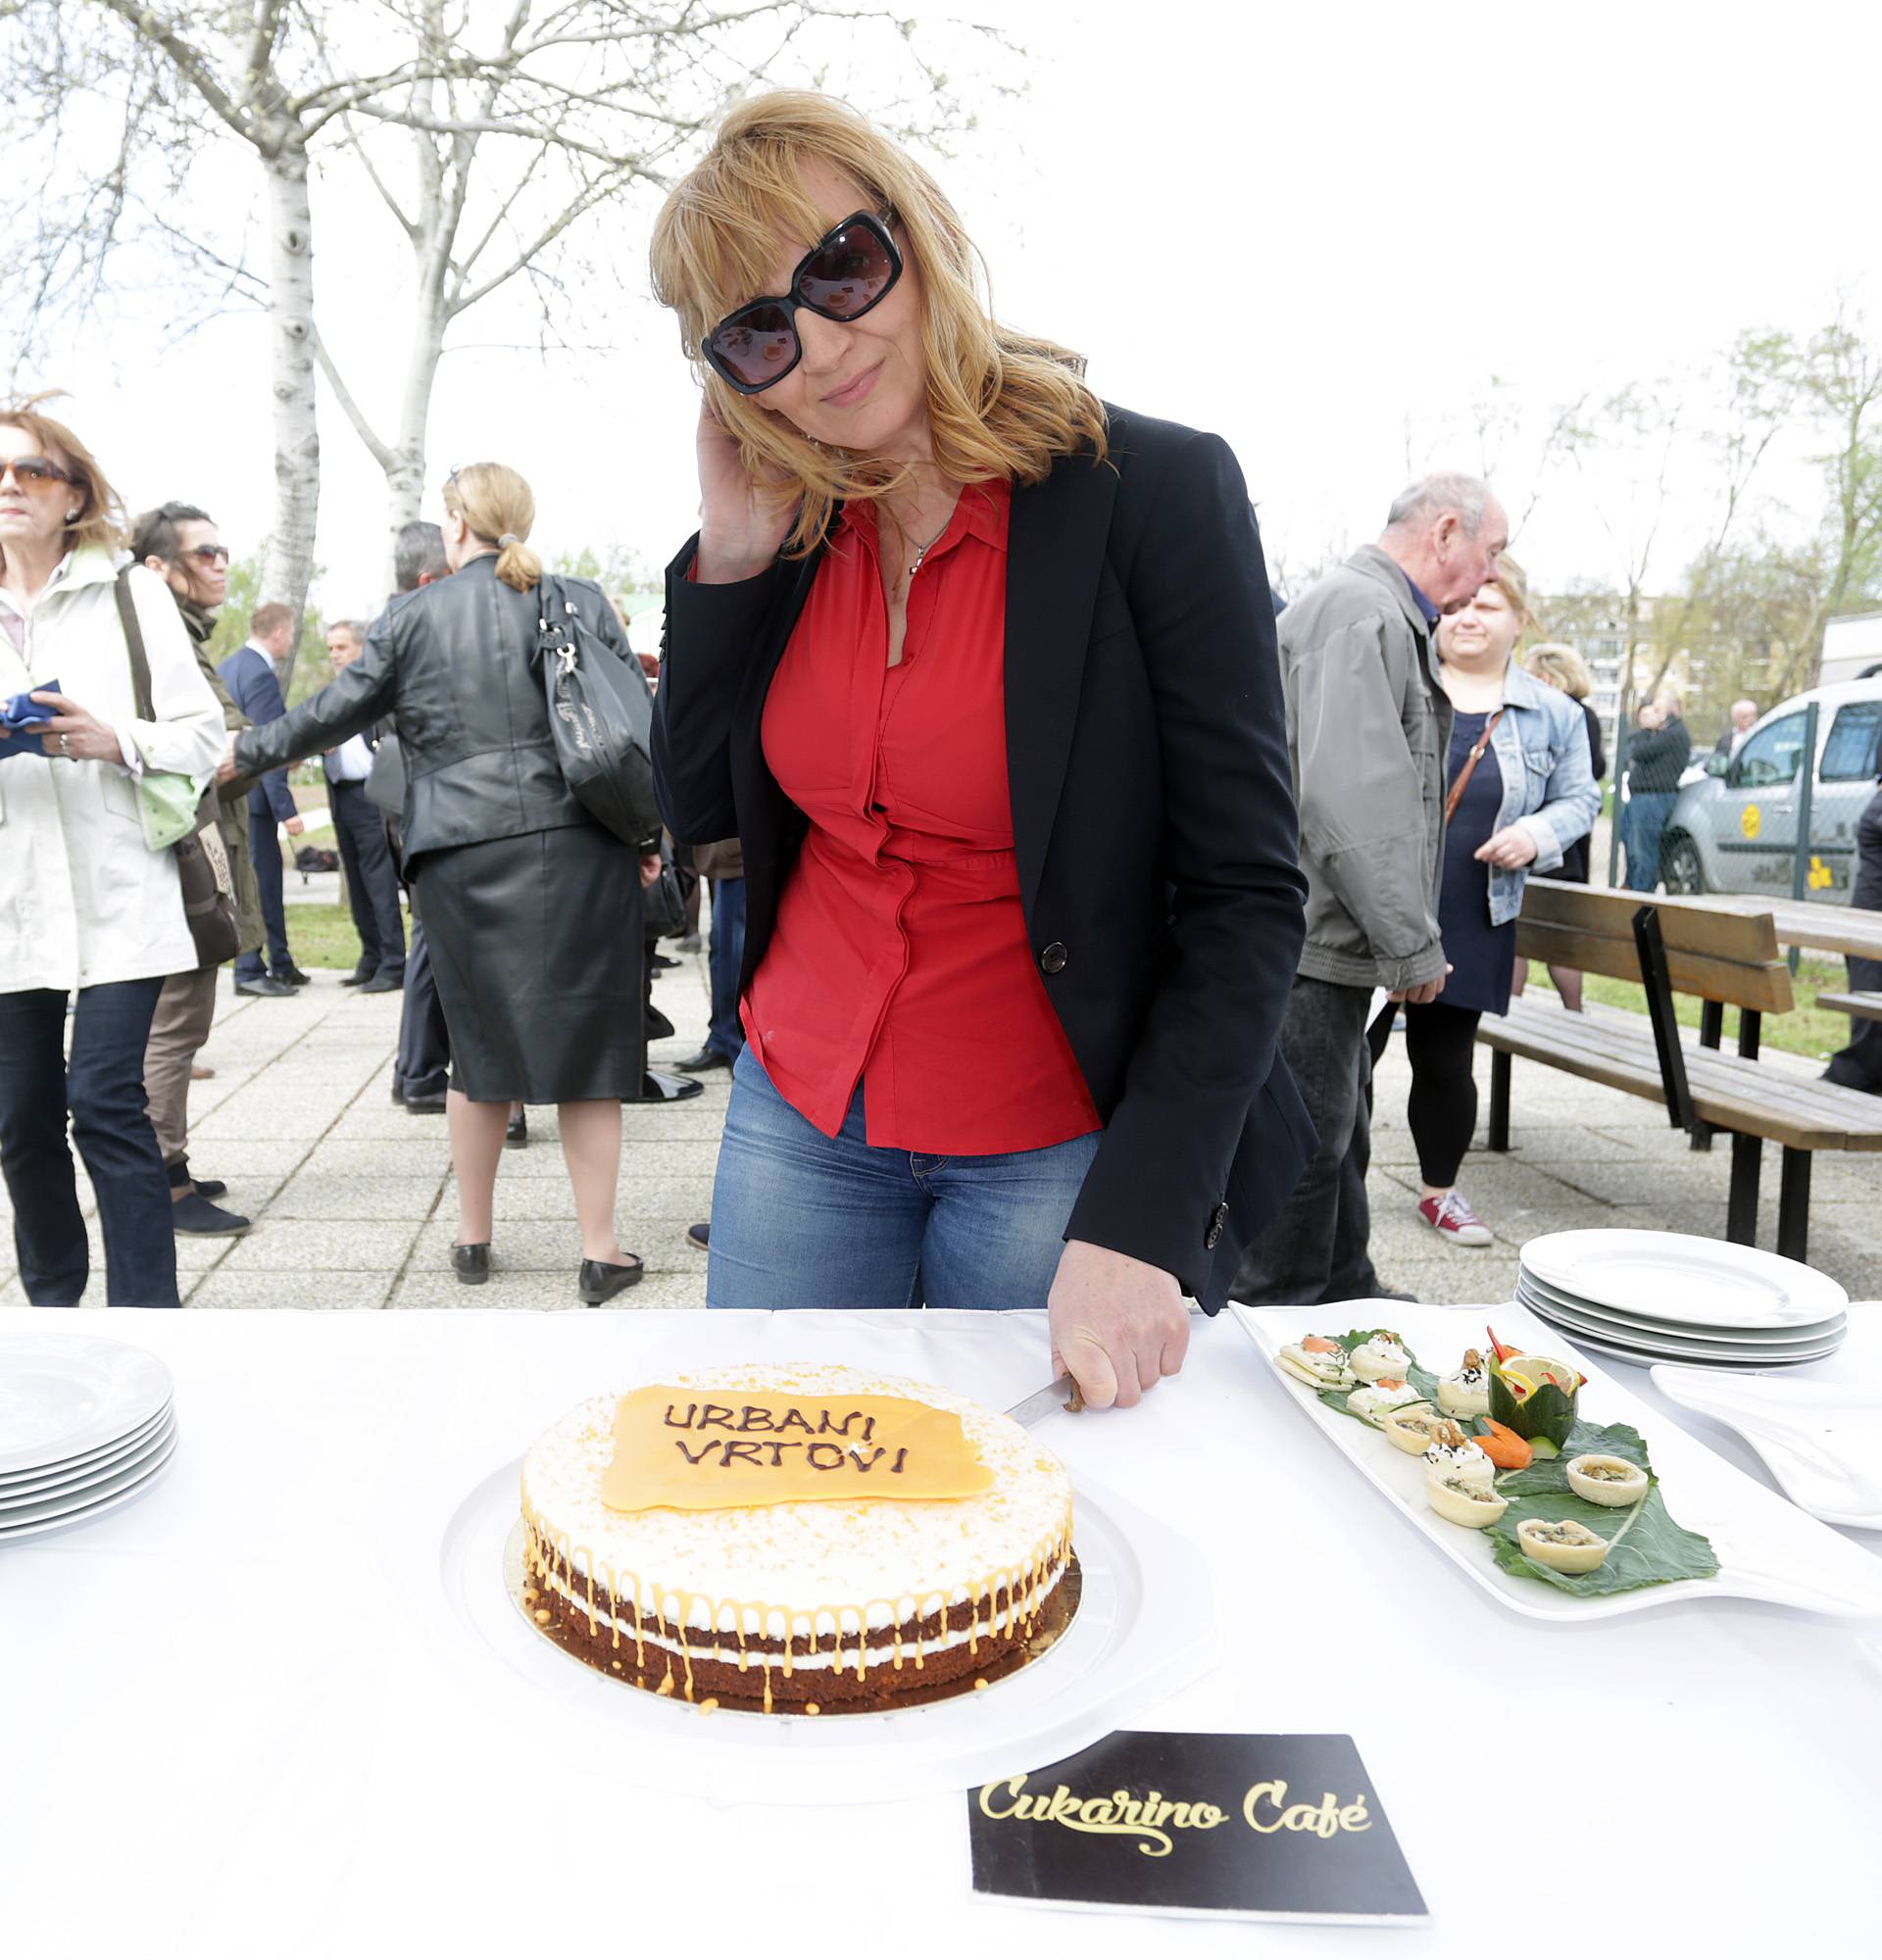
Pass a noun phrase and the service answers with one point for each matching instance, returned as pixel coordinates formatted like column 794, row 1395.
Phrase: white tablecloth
column 219, row 1737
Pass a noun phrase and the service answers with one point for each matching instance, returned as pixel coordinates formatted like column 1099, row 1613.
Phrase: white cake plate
column 1144, row 1627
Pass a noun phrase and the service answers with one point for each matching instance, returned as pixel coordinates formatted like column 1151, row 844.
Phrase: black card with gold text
column 1261, row 1827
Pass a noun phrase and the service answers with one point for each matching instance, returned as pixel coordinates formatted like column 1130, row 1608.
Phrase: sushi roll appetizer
column 1454, row 1457
column 1372, row 1399
column 1317, row 1361
column 1379, row 1360
column 1468, row 1392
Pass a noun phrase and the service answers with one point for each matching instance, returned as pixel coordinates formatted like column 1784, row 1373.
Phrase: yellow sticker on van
column 1750, row 819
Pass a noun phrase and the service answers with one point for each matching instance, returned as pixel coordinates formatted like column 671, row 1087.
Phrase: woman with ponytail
column 531, row 908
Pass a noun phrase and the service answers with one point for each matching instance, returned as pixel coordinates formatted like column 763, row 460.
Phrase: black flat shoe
column 471, row 1263
column 357, row 977
column 515, row 1132
column 425, row 1106
column 707, row 1057
column 180, row 1174
column 599, row 1280
column 293, row 976
column 266, row 988
column 197, row 1218
column 657, row 1086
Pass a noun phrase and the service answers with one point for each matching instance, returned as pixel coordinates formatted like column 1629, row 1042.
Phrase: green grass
column 1806, row 1029
column 322, row 936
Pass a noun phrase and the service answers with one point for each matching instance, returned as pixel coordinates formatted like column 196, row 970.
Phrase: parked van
column 1734, row 828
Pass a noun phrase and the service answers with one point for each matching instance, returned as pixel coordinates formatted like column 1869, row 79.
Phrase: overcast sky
column 1319, row 229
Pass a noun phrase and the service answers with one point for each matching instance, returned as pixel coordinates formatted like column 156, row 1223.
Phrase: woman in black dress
column 1520, row 792
column 531, row 908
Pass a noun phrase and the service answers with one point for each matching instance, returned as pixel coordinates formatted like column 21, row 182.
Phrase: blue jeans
column 1646, row 815
column 802, row 1219
column 103, row 1088
column 727, row 955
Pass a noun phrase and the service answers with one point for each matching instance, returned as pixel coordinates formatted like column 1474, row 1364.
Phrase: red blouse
column 900, row 956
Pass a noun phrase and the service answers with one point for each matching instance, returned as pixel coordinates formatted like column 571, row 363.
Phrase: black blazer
column 1153, row 819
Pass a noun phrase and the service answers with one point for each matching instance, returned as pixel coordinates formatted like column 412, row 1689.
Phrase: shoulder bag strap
column 134, row 645
column 1470, row 762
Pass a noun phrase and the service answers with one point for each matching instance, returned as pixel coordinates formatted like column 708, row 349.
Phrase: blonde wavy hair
column 496, row 502
column 1558, row 663
column 100, row 518
column 1000, row 405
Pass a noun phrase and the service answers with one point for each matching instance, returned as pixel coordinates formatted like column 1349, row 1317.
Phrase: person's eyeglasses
column 209, row 555
column 34, row 473
column 852, row 268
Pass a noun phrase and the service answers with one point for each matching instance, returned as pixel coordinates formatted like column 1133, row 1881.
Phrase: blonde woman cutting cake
column 981, row 672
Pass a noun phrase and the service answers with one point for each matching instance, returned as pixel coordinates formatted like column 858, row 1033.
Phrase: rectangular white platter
column 1767, row 1548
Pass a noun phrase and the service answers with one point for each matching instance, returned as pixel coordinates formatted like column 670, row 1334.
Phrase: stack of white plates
column 1647, row 1297
column 84, row 1425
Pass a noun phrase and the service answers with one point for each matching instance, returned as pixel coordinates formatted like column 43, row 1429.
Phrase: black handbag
column 601, row 714
column 662, row 904
column 208, row 907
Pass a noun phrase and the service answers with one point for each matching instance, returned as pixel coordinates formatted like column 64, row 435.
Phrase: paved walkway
column 353, row 1207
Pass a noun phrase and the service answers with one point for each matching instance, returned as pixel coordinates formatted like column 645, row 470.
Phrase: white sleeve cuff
column 128, row 749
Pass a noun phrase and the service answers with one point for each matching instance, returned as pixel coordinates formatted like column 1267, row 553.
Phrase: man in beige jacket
column 181, row 544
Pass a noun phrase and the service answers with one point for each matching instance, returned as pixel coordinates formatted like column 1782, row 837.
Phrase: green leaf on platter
column 1586, row 1439
column 1646, row 1546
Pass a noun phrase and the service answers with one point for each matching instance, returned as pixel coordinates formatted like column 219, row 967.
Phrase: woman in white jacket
column 87, row 909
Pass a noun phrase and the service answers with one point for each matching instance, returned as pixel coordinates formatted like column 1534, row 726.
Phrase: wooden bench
column 1865, row 1006
column 1727, row 960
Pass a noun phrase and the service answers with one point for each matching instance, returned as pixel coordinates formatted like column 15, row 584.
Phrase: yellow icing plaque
column 717, row 1449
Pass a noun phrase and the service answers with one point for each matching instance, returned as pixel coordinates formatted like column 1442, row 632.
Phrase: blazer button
column 1217, row 1220
column 1053, row 959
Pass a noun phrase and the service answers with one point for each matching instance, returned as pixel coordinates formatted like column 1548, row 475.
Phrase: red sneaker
column 1451, row 1217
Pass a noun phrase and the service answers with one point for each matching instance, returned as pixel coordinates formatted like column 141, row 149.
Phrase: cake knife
column 1061, row 1394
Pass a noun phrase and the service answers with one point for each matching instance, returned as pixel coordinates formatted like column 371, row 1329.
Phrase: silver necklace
column 928, row 547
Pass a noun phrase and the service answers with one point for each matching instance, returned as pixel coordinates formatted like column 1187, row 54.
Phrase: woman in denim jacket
column 1530, row 795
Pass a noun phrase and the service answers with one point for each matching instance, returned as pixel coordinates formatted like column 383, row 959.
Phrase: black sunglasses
column 852, row 268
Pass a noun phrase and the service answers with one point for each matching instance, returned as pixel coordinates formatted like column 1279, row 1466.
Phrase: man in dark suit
column 358, row 830
column 249, row 674
column 422, row 1069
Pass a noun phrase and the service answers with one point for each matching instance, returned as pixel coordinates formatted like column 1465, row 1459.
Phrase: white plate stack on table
column 86, row 1425
column 1648, row 1297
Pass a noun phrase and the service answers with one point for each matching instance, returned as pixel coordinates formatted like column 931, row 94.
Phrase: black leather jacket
column 454, row 663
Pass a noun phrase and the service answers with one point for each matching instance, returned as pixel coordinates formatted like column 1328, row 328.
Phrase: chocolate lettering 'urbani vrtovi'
column 677, row 1450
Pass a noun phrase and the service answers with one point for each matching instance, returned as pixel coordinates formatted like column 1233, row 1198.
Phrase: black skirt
column 537, row 949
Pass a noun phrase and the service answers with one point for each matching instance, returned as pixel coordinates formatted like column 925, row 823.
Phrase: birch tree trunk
column 287, row 557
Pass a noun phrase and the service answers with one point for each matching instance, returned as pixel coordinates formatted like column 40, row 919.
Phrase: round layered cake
column 795, row 1539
